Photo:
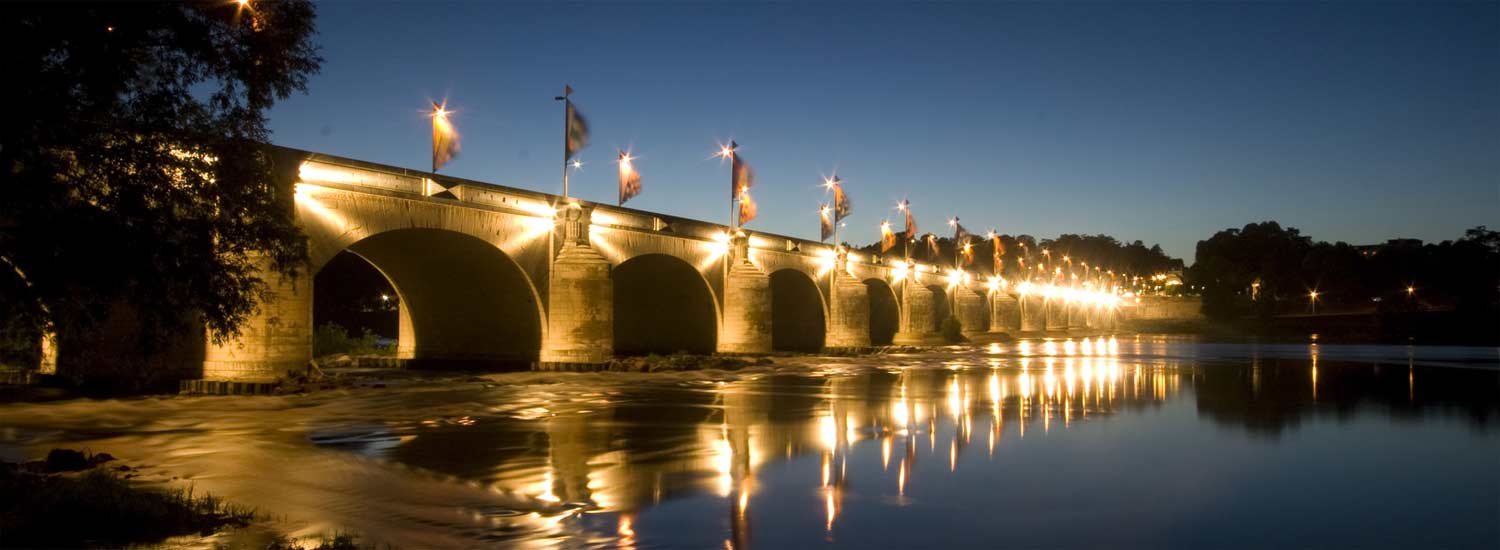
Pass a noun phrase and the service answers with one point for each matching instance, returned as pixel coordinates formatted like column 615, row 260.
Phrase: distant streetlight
column 1312, row 300
column 1410, row 290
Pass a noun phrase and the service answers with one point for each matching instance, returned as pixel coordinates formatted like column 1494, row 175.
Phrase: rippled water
column 1138, row 442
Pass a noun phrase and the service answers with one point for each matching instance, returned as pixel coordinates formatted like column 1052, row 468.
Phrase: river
column 1122, row 442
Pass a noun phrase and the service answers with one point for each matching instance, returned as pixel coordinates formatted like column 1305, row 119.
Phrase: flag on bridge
column 577, row 131
column 825, row 222
column 911, row 223
column 444, row 137
column 841, row 205
column 959, row 233
column 741, row 177
column 747, row 208
column 630, row 180
column 932, row 245
column 999, row 252
column 887, row 237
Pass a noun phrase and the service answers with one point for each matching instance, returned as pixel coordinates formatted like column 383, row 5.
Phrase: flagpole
column 734, row 199
column 567, row 128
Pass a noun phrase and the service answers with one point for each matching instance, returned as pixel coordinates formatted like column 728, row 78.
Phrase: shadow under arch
column 885, row 314
column 797, row 319
column 940, row 309
column 662, row 305
column 464, row 302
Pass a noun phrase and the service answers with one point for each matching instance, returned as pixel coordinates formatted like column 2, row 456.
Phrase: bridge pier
column 275, row 341
column 1005, row 313
column 580, row 300
column 849, row 311
column 1033, row 310
column 1057, row 314
column 747, row 304
column 915, row 328
column 971, row 311
column 1076, row 313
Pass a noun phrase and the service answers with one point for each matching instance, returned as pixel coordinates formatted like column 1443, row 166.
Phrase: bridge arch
column 798, row 319
column 463, row 300
column 662, row 304
column 885, row 311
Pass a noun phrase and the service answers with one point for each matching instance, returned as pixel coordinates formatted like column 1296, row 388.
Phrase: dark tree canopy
column 131, row 161
column 1265, row 269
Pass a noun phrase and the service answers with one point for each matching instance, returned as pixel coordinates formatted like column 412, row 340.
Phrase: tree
column 132, row 162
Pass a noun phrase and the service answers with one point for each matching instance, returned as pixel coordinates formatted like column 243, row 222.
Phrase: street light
column 1312, row 300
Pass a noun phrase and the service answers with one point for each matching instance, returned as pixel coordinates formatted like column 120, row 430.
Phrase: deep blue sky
column 1162, row 122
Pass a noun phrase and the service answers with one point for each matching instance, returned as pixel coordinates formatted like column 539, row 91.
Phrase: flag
column 577, row 130
column 959, row 233
column 911, row 223
column 741, row 178
column 841, row 205
column 999, row 253
column 747, row 208
column 444, row 138
column 630, row 180
column 932, row 244
column 887, row 237
column 825, row 221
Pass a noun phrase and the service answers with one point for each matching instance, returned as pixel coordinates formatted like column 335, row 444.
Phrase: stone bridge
column 497, row 275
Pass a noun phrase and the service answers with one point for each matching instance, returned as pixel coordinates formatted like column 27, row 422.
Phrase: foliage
column 99, row 507
column 330, row 338
column 952, row 330
column 339, row 541
column 1264, row 269
column 132, row 163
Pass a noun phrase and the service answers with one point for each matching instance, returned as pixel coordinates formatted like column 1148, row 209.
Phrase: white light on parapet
column 312, row 173
column 537, row 208
column 954, row 278
column 993, row 284
column 900, row 272
column 1025, row 288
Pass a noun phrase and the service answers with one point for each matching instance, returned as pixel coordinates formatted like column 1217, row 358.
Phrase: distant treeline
column 1263, row 269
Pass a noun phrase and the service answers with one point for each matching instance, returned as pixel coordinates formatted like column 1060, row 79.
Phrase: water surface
column 1128, row 442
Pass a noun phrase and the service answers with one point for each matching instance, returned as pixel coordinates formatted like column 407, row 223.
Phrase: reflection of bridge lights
column 828, row 433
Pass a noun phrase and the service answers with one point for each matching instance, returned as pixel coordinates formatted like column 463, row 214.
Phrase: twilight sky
column 1163, row 122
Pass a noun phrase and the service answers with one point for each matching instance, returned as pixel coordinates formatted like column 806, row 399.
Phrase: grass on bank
column 98, row 507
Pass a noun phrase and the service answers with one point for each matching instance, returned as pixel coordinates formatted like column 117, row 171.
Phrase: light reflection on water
column 1128, row 442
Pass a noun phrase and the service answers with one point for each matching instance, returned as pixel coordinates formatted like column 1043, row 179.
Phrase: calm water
column 1138, row 442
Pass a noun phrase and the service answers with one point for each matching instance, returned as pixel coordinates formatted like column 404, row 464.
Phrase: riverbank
column 78, row 499
column 1405, row 328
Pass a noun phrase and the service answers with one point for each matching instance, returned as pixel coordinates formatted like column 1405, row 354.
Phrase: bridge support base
column 580, row 296
column 849, row 320
column 747, row 310
column 972, row 312
column 275, row 342
column 1005, row 313
column 915, row 328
